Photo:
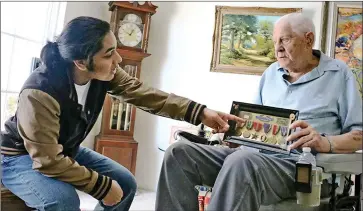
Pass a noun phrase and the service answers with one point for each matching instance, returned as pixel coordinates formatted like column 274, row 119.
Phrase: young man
column 42, row 161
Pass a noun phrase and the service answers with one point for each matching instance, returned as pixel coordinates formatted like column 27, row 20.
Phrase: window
column 25, row 28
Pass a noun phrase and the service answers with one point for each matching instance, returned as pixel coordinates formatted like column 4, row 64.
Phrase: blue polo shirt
column 326, row 97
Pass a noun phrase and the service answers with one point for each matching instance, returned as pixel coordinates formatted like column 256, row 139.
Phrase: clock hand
column 132, row 32
column 125, row 31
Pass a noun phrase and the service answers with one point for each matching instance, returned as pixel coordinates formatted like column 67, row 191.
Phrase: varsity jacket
column 50, row 125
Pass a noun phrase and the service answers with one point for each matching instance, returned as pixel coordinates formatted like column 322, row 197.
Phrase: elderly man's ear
column 309, row 38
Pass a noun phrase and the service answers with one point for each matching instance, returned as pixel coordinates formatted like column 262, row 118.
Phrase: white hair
column 299, row 23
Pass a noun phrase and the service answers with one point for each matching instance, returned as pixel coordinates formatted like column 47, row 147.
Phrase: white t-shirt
column 82, row 92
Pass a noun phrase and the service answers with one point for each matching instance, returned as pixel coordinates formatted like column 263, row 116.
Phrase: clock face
column 130, row 34
column 133, row 18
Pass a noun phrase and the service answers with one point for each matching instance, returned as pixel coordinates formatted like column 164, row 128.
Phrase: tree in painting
column 247, row 40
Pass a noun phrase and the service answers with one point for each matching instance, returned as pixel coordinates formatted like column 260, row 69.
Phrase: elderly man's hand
column 217, row 120
column 307, row 137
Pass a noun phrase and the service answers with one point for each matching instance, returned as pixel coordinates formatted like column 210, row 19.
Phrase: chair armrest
column 340, row 163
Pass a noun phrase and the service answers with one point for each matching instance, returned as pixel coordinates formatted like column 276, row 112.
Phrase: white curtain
column 25, row 28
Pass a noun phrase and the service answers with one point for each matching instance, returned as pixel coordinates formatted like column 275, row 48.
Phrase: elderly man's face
column 290, row 47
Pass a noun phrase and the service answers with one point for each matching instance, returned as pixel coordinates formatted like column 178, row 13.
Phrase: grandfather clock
column 130, row 22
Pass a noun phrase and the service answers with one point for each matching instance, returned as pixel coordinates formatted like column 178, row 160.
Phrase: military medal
column 238, row 131
column 263, row 138
column 246, row 134
column 275, row 129
column 266, row 127
column 239, row 128
column 283, row 131
column 254, row 136
column 241, row 125
column 257, row 126
column 249, row 124
column 273, row 140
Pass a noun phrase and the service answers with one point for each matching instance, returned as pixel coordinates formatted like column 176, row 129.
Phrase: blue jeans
column 44, row 193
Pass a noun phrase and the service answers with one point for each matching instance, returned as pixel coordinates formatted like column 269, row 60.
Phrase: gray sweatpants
column 241, row 179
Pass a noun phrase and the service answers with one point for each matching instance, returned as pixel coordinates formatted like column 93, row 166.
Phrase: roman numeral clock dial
column 130, row 32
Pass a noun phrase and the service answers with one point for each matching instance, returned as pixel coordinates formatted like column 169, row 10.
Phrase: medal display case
column 264, row 127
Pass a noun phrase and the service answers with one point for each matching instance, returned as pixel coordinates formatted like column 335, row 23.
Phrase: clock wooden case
column 130, row 22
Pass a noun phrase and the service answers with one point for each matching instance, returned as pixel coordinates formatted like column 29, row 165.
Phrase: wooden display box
column 264, row 127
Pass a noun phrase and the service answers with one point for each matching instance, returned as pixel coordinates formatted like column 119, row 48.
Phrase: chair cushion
column 340, row 163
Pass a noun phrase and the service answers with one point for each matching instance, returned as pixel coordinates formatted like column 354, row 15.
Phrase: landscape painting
column 243, row 38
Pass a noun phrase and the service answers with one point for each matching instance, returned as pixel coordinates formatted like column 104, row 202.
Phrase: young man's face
column 106, row 60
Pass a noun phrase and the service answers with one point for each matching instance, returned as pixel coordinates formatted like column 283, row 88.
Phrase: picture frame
column 242, row 40
column 344, row 36
column 265, row 127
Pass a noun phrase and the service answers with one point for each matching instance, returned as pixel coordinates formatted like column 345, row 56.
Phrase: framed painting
column 344, row 36
column 242, row 41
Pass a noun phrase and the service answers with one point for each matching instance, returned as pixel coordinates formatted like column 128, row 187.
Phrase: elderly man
column 321, row 88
